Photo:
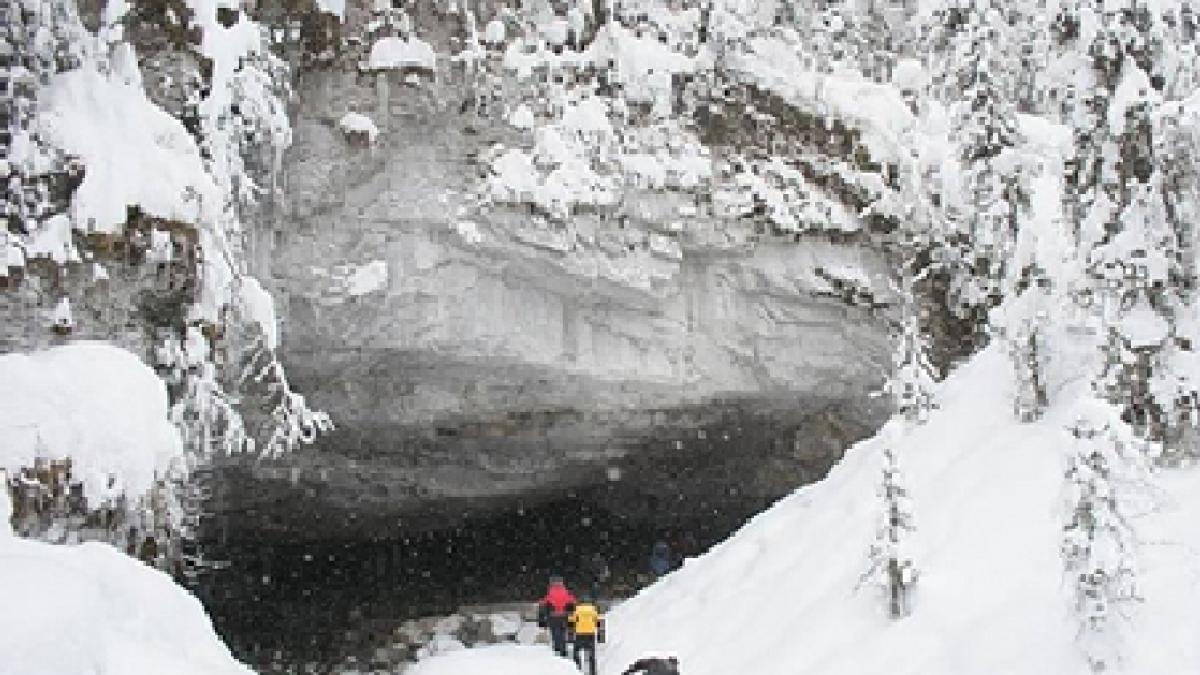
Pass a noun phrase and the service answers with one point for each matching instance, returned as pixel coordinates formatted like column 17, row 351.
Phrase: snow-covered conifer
column 1103, row 467
column 891, row 565
column 1135, row 247
column 912, row 380
column 970, row 45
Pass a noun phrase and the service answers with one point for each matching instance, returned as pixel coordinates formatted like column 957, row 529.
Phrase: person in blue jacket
column 660, row 559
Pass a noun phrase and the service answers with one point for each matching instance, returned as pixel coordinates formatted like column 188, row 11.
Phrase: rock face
column 478, row 354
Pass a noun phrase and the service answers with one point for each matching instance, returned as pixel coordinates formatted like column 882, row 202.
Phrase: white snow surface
column 353, row 122
column 367, row 278
column 783, row 595
column 878, row 109
column 992, row 597
column 89, row 609
column 258, row 307
column 334, row 7
column 394, row 52
column 94, row 403
column 497, row 660
column 135, row 153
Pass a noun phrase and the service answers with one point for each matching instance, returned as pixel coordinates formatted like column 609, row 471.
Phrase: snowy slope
column 780, row 596
column 88, row 609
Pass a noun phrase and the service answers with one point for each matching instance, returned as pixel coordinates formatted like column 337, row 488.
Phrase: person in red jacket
column 553, row 610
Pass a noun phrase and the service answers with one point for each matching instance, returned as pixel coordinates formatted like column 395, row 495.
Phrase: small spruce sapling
column 1098, row 541
column 913, row 377
column 891, row 565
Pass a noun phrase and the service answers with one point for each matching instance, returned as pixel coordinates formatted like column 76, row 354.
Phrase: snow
column 495, row 32
column 589, row 116
column 1144, row 327
column 240, row 63
column 90, row 609
column 785, row 594
column 394, row 52
column 135, row 153
column 497, row 660
column 505, row 624
column 11, row 254
column 644, row 66
column 522, row 117
column 368, row 278
column 909, row 75
column 555, row 31
column 62, row 316
column 878, row 109
column 63, row 402
column 987, row 492
column 258, row 308
column 514, row 173
column 353, row 122
column 469, row 231
column 334, row 7
column 53, row 240
column 992, row 598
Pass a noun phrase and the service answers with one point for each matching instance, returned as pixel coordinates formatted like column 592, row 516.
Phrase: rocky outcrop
column 479, row 354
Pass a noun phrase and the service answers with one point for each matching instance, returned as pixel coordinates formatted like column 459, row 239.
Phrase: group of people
column 580, row 622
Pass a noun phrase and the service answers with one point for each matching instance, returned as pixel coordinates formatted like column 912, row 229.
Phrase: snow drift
column 785, row 594
column 90, row 609
column 498, row 660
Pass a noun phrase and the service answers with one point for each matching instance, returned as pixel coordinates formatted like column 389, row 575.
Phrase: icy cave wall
column 506, row 277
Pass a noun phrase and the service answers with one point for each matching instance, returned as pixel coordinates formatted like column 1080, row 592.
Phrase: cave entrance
column 316, row 573
column 301, row 607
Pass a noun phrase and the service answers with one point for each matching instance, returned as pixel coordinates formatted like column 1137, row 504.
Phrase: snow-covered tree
column 986, row 127
column 1103, row 468
column 969, row 50
column 1025, row 337
column 1135, row 247
column 911, row 382
column 891, row 565
column 39, row 40
column 1177, row 151
column 289, row 421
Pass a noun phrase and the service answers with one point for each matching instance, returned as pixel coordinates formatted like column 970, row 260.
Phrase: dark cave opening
column 286, row 606
column 309, row 580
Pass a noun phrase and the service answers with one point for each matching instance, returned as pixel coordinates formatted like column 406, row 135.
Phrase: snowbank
column 94, row 403
column 780, row 596
column 502, row 660
column 394, row 52
column 90, row 609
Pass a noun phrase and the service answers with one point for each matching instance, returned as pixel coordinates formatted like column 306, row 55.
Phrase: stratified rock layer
column 478, row 355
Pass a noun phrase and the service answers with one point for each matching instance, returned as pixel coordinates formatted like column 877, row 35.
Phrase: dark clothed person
column 660, row 559
column 654, row 666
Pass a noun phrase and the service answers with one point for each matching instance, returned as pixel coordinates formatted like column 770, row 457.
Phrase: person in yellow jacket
column 587, row 624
